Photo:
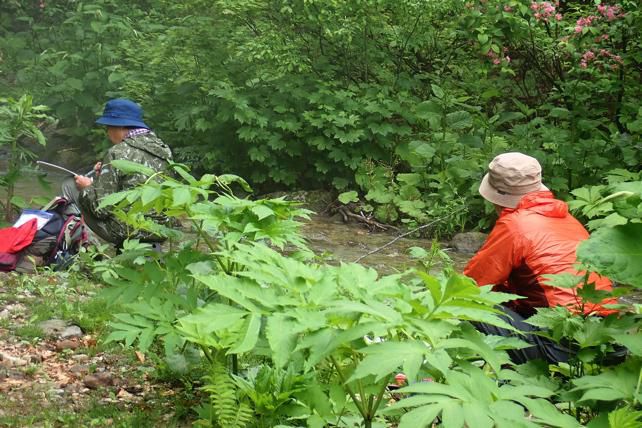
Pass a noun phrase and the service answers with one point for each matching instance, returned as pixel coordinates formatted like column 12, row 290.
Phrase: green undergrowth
column 287, row 340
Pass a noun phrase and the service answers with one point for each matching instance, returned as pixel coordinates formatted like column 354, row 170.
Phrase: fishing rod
column 60, row 168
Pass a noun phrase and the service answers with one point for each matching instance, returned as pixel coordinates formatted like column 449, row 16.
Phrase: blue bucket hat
column 122, row 112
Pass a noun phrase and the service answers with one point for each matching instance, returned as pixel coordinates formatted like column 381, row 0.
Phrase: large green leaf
column 252, row 327
column 282, row 334
column 129, row 167
column 383, row 359
column 617, row 384
column 214, row 317
column 615, row 252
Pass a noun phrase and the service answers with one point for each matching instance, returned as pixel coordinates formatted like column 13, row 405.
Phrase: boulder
column 53, row 327
column 468, row 242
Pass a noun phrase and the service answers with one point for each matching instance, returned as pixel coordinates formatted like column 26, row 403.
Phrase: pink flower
column 558, row 16
column 587, row 57
column 543, row 10
column 494, row 57
column 584, row 22
column 611, row 13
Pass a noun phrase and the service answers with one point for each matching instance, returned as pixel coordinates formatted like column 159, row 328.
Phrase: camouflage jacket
column 146, row 149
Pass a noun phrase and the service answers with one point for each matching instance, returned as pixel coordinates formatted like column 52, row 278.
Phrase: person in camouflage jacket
column 133, row 141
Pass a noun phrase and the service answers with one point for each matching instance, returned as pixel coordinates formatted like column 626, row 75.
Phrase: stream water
column 349, row 242
column 329, row 236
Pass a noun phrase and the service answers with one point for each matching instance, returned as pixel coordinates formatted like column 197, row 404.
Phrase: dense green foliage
column 404, row 101
column 284, row 340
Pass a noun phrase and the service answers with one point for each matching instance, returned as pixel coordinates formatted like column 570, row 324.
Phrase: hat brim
column 116, row 121
column 491, row 194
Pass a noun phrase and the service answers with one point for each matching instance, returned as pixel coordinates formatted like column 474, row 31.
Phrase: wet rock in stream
column 468, row 242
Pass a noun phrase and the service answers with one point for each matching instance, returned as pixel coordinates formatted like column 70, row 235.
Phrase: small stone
column 71, row 331
column 123, row 394
column 35, row 359
column 98, row 380
column 56, row 391
column 4, row 314
column 79, row 369
column 80, row 357
column 53, row 327
column 66, row 344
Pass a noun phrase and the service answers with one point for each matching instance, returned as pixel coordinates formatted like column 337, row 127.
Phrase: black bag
column 61, row 238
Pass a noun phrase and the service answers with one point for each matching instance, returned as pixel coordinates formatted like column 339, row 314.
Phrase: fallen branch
column 376, row 250
column 345, row 213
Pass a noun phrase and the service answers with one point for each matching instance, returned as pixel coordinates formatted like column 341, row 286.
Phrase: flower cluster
column 590, row 56
column 611, row 13
column 584, row 21
column 496, row 59
column 544, row 11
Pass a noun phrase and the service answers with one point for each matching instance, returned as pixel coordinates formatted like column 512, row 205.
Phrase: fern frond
column 222, row 389
column 244, row 415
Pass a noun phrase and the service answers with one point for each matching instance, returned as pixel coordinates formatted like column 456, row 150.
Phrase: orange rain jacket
column 538, row 237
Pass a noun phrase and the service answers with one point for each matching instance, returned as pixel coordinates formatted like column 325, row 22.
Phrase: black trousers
column 541, row 347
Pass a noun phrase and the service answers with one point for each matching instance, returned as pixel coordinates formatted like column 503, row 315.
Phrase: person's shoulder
column 514, row 224
column 121, row 150
column 144, row 141
column 150, row 145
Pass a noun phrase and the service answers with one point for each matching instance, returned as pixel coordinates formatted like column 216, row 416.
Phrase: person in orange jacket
column 534, row 236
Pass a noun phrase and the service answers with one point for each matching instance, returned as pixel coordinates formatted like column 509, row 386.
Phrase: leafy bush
column 402, row 101
column 20, row 123
column 328, row 340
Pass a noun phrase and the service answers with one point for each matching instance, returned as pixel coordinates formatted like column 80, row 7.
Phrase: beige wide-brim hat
column 511, row 176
